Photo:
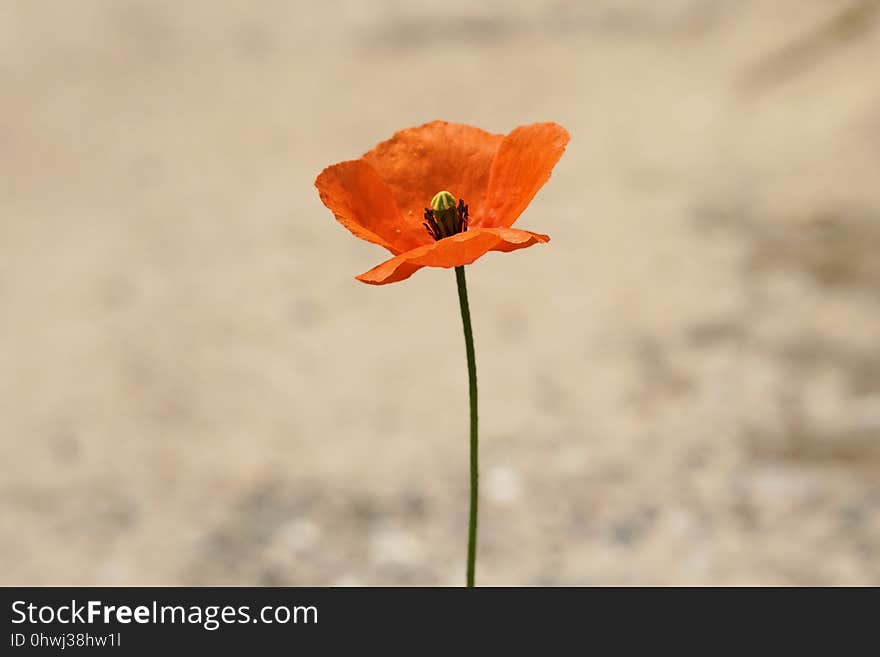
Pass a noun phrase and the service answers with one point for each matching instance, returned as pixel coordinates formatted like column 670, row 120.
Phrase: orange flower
column 383, row 197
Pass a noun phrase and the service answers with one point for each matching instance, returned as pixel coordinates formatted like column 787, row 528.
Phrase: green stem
column 472, row 389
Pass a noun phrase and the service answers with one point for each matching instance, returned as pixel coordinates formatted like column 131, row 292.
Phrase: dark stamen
column 460, row 222
column 431, row 225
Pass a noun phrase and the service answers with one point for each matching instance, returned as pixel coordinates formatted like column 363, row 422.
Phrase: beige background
column 683, row 387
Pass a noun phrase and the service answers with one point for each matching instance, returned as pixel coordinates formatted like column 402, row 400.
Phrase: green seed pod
column 445, row 214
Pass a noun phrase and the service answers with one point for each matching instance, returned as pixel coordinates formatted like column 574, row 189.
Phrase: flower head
column 402, row 194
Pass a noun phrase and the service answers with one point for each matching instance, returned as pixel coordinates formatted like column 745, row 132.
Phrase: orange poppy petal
column 460, row 249
column 521, row 166
column 361, row 202
column 416, row 163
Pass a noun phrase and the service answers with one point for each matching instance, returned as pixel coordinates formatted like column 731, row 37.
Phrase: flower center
column 444, row 217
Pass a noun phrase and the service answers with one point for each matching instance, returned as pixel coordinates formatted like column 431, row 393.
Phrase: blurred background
column 683, row 387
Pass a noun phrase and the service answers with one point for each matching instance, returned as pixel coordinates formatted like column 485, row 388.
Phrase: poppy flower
column 476, row 185
column 402, row 194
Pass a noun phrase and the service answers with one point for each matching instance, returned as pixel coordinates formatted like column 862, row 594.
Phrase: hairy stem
column 474, row 443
